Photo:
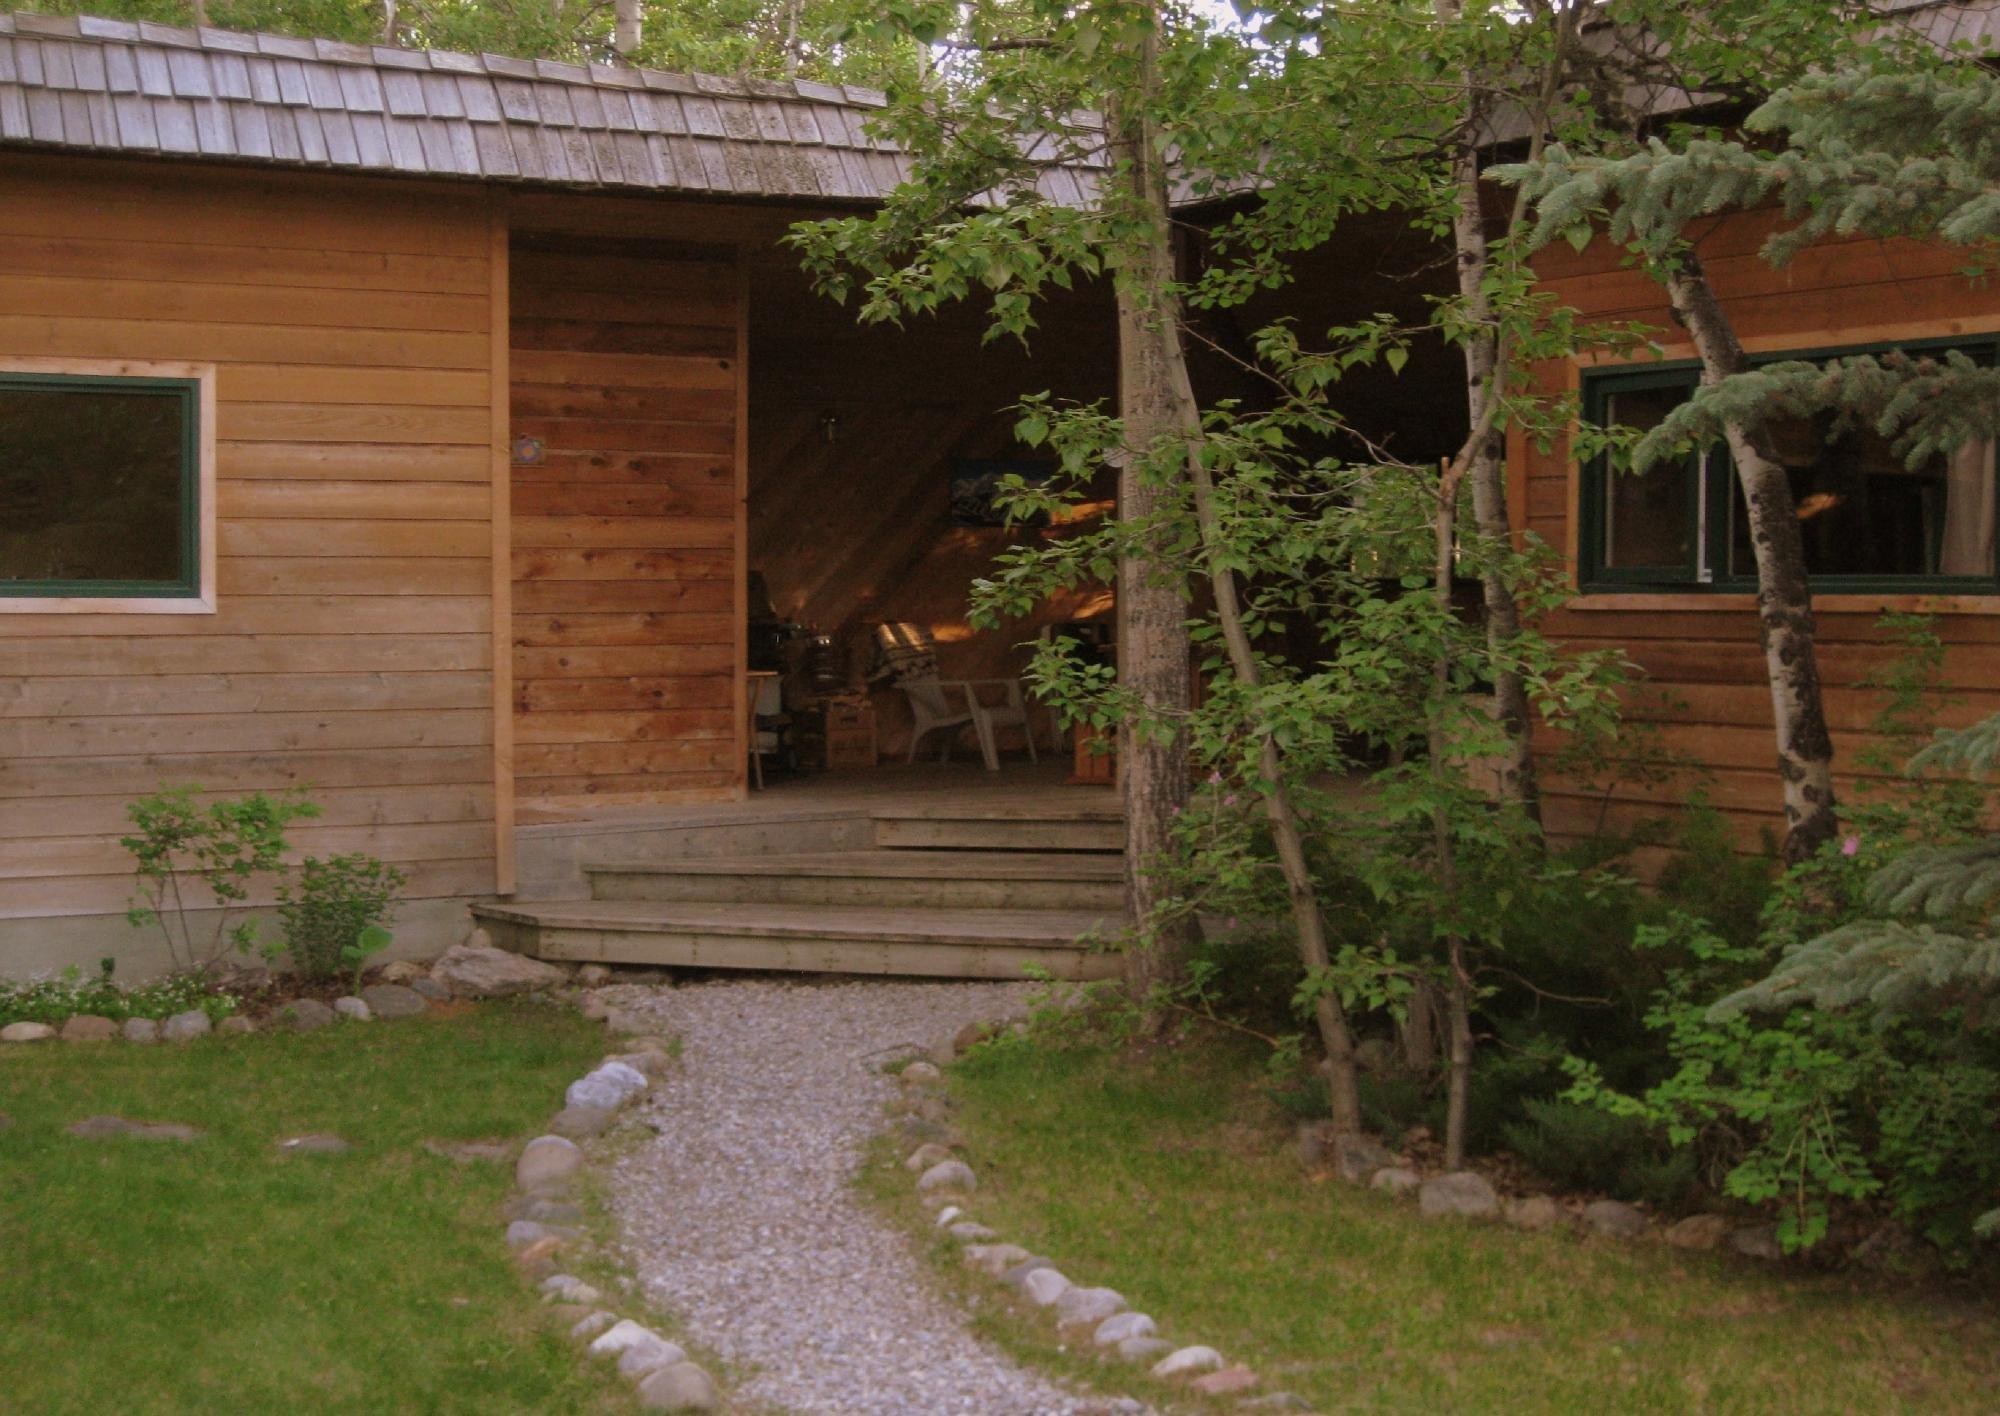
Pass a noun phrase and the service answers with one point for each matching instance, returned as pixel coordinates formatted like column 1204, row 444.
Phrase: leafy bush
column 192, row 856
column 335, row 903
column 1587, row 1148
column 69, row 995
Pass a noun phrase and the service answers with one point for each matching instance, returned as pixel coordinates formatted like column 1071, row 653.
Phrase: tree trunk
column 1159, row 403
column 792, row 12
column 1784, row 593
column 1153, row 644
column 628, row 19
column 1487, row 472
column 1458, row 984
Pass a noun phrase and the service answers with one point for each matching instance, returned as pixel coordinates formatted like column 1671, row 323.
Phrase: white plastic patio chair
column 931, row 708
column 1010, row 712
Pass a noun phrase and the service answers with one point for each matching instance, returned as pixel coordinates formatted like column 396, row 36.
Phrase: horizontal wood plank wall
column 351, row 652
column 625, row 532
column 1704, row 687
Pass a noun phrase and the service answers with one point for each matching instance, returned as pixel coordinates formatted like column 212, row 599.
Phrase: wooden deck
column 924, row 871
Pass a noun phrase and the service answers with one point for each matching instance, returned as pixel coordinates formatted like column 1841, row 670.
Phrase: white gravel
column 740, row 1217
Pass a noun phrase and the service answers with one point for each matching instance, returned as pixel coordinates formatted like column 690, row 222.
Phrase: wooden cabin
column 1661, row 561
column 418, row 429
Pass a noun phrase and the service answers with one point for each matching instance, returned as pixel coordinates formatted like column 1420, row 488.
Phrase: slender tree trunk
column 1159, row 403
column 1458, row 1027
column 792, row 9
column 628, row 20
column 1784, row 592
column 1153, row 645
column 1487, row 473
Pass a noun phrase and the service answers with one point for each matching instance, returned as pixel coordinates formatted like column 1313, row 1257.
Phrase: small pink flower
column 1229, row 800
column 1851, row 846
column 1215, row 779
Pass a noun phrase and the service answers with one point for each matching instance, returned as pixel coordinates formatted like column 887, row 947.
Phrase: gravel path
column 740, row 1216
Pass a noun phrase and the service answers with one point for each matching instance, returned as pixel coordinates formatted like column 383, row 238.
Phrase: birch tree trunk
column 1784, row 593
column 628, row 17
column 1158, row 402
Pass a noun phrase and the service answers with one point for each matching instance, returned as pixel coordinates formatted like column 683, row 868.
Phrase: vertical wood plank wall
column 625, row 526
column 352, row 649
column 1704, row 683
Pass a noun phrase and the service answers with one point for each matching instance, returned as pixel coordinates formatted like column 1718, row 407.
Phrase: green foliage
column 333, row 917
column 1590, row 1149
column 192, row 856
column 70, row 994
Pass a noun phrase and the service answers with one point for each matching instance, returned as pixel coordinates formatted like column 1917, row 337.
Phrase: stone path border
column 543, row 1222
column 947, row 1186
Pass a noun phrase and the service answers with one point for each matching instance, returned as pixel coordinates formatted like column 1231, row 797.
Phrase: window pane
column 1646, row 520
column 1862, row 511
column 91, row 484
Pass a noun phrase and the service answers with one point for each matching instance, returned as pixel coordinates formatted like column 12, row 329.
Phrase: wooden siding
column 1704, row 680
column 352, row 648
column 626, row 371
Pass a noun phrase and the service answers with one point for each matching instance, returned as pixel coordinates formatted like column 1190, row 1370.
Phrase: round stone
column 921, row 1074
column 1186, row 1361
column 621, row 1335
column 925, row 1156
column 1123, row 1327
column 681, row 1387
column 141, row 1030
column 1463, row 1192
column 185, row 1027
column 1535, row 1212
column 968, row 1232
column 307, row 1014
column 547, row 1161
column 393, row 1000
column 581, row 1122
column 642, row 1359
column 1045, row 1286
column 948, row 1175
column 352, row 1009
column 1087, row 1307
column 1614, row 1218
column 26, row 1032
column 591, row 1326
column 235, row 1025
column 1143, row 1349
column 609, row 1087
column 1395, row 1180
column 88, row 1027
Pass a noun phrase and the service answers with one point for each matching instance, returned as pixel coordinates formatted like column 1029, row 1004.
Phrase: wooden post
column 499, row 395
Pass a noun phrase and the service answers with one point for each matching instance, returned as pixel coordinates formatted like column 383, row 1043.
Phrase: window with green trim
column 1869, row 520
column 100, row 487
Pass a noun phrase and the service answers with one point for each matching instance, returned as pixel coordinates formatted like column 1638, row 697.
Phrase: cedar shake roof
column 115, row 86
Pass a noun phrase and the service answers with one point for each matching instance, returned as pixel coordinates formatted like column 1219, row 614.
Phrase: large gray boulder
column 1463, row 1192
column 87, row 1027
column 26, row 1032
column 481, row 971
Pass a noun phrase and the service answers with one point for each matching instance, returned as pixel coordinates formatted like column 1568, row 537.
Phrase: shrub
column 190, row 854
column 1586, row 1148
column 335, row 902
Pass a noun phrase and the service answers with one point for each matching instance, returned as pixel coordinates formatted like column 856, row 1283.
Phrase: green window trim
column 1714, row 485
column 188, row 585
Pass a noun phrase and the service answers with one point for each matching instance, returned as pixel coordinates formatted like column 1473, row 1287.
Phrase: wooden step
column 997, row 944
column 953, row 880
column 994, row 827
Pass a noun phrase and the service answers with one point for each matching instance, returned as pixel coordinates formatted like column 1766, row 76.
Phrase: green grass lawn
column 222, row 1275
column 1170, row 1180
